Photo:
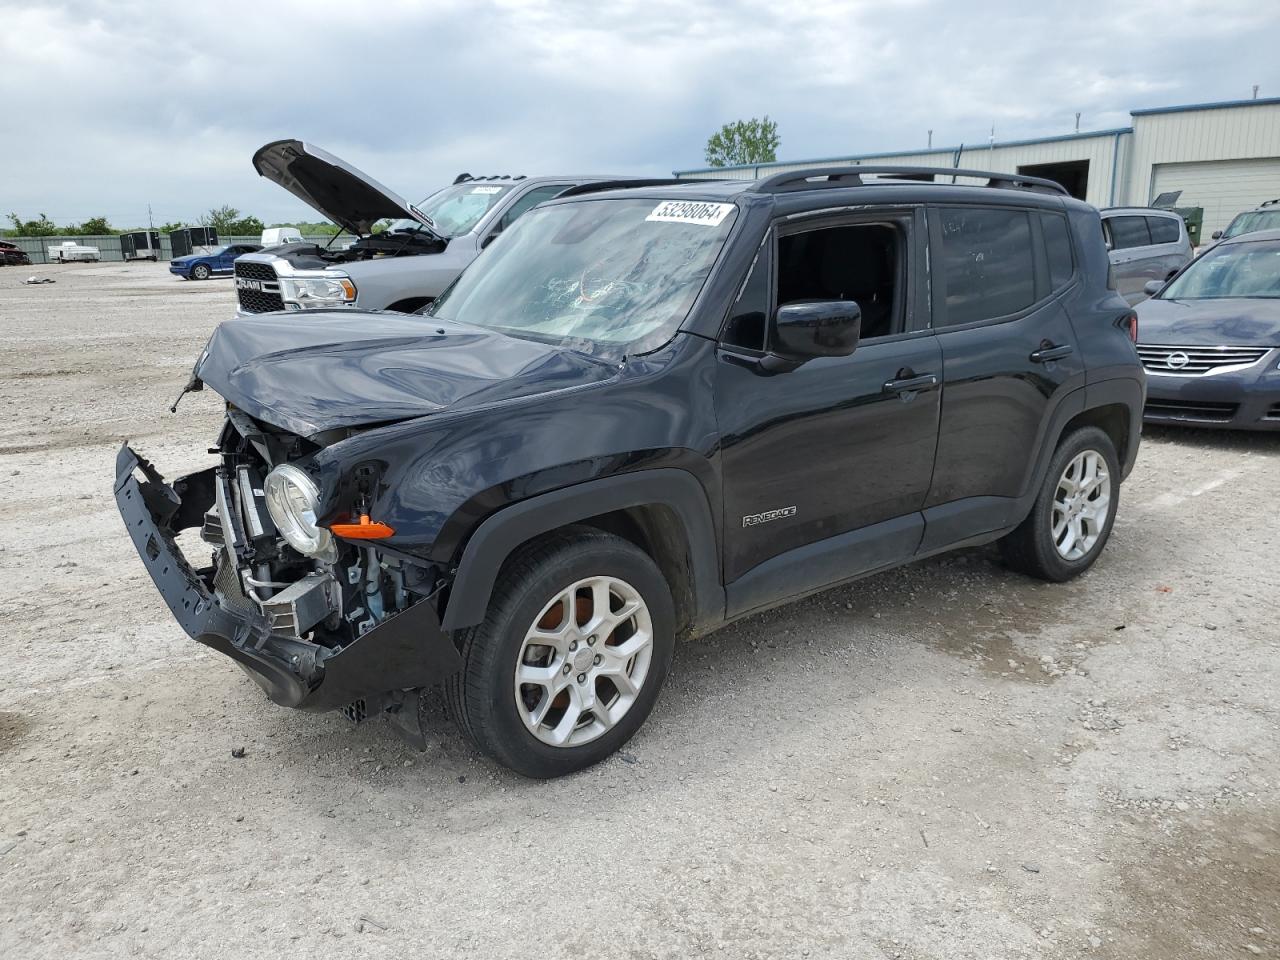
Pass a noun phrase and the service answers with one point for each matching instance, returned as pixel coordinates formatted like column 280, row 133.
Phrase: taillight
column 1132, row 320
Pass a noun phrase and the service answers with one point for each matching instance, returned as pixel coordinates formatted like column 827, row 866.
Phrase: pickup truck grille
column 258, row 288
column 1193, row 360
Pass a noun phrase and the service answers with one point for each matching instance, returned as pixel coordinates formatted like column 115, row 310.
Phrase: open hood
column 338, row 190
column 352, row 369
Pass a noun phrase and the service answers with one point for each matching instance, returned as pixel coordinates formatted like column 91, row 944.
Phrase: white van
column 274, row 236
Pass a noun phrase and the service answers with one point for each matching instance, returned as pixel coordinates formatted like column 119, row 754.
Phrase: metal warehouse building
column 1224, row 157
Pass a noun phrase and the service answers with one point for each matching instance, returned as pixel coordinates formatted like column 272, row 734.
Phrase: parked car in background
column 274, row 236
column 403, row 267
column 1144, row 244
column 68, row 251
column 1210, row 339
column 638, row 415
column 11, row 255
column 216, row 263
column 1266, row 216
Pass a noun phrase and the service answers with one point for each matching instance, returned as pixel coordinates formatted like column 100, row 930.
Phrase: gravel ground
column 940, row 762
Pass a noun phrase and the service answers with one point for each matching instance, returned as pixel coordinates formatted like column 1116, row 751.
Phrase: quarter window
column 1057, row 242
column 1129, row 232
column 748, row 321
column 987, row 263
column 1163, row 229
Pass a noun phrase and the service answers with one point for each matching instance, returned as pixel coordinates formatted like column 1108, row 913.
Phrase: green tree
column 229, row 222
column 244, row 227
column 310, row 228
column 743, row 142
column 220, row 217
column 95, row 227
column 44, row 227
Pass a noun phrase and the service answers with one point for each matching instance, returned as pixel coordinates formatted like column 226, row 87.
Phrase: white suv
column 1265, row 216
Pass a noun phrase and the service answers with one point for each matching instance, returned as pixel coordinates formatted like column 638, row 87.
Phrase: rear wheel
column 200, row 272
column 569, row 660
column 1071, row 519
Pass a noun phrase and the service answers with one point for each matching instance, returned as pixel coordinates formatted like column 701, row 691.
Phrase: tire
column 1033, row 547
column 200, row 272
column 533, row 594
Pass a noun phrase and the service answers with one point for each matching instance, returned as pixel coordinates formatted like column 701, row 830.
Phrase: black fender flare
column 1124, row 391
column 1068, row 408
column 1130, row 393
column 502, row 532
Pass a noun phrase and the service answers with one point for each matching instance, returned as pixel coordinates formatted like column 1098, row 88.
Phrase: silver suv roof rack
column 818, row 177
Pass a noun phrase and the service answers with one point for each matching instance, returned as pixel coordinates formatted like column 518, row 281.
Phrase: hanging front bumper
column 405, row 651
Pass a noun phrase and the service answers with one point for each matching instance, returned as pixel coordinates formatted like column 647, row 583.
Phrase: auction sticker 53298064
column 690, row 211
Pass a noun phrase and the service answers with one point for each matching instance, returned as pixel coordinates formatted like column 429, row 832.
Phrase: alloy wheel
column 583, row 661
column 1081, row 504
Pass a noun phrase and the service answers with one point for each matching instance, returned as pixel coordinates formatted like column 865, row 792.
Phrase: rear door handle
column 1046, row 354
column 911, row 384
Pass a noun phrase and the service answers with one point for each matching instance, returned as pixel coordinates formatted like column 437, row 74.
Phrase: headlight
column 311, row 292
column 292, row 499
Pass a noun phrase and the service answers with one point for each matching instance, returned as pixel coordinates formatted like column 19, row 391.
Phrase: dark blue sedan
column 1210, row 338
column 202, row 266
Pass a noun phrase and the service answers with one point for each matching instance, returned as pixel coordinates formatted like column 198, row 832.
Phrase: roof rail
column 623, row 184
column 851, row 176
column 1269, row 203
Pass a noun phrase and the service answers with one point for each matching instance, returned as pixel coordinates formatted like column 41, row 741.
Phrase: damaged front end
column 354, row 627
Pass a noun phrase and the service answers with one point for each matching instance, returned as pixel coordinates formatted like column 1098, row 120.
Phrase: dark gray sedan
column 1210, row 338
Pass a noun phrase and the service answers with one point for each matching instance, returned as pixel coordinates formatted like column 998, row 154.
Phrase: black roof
column 799, row 189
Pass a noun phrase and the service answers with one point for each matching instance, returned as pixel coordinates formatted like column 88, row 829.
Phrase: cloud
column 123, row 103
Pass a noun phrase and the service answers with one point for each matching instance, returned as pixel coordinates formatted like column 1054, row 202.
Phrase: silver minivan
column 1144, row 244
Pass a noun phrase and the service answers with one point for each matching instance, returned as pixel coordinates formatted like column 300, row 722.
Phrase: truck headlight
column 292, row 500
column 311, row 292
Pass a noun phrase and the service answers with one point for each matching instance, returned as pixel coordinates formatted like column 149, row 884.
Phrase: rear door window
column 1163, row 229
column 988, row 263
column 1129, row 232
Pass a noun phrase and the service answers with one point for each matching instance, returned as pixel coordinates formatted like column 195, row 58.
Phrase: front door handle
column 911, row 384
column 1045, row 354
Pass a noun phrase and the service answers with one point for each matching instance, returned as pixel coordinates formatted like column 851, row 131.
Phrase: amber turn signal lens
column 366, row 529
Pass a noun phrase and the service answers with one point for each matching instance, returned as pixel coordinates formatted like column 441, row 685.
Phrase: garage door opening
column 1073, row 175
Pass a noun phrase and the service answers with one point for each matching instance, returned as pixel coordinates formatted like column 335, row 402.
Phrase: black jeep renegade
column 638, row 416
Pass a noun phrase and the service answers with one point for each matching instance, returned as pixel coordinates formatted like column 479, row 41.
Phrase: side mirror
column 1216, row 235
column 489, row 239
column 817, row 328
column 1153, row 287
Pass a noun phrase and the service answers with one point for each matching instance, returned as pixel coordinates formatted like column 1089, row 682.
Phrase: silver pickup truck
column 404, row 267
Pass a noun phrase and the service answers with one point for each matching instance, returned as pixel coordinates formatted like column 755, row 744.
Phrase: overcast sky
column 111, row 105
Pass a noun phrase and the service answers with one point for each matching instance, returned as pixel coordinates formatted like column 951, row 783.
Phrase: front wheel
column 200, row 272
column 568, row 662
column 1071, row 519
